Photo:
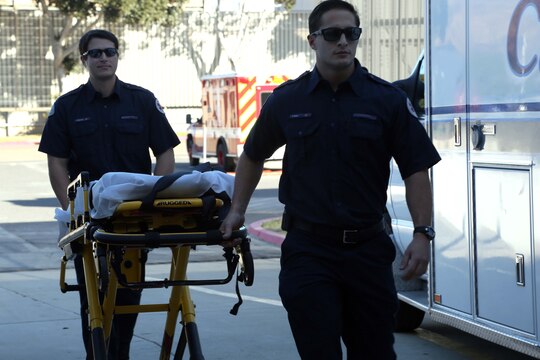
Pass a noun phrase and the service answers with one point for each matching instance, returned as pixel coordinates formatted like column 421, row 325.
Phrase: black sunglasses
column 334, row 33
column 96, row 53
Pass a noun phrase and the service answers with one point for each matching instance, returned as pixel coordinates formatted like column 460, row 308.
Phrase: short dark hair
column 327, row 5
column 97, row 33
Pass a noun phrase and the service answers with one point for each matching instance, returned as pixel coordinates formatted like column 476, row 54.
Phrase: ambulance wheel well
column 222, row 152
column 221, row 141
column 408, row 317
column 193, row 161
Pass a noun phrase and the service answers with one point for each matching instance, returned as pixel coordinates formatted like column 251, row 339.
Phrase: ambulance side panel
column 483, row 104
column 504, row 118
column 482, row 93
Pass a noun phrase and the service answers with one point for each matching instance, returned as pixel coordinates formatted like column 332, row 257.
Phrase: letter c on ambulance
column 512, row 41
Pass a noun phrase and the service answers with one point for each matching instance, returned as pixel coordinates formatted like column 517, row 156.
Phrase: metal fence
column 393, row 36
column 170, row 60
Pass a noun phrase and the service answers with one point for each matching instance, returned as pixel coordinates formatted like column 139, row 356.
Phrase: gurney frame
column 114, row 259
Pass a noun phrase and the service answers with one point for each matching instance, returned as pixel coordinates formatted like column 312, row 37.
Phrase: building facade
column 170, row 60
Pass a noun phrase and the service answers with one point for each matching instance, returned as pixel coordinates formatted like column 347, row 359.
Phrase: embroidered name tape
column 299, row 116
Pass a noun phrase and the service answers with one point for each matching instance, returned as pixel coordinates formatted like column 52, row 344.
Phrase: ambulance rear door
column 446, row 96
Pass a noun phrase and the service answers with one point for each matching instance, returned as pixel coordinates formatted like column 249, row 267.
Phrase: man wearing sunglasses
column 105, row 125
column 341, row 126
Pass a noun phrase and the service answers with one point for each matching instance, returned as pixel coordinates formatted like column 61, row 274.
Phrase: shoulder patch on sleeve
column 410, row 107
column 159, row 107
column 51, row 112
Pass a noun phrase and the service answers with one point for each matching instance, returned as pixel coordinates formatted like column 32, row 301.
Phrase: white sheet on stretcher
column 116, row 187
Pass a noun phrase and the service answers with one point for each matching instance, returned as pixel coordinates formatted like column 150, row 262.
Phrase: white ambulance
column 482, row 111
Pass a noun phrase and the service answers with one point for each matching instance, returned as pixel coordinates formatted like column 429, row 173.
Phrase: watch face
column 426, row 230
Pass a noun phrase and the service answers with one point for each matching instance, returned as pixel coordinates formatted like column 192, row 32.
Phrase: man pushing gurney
column 102, row 126
column 115, row 220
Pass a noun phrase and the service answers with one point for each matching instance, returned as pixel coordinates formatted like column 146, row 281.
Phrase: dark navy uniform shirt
column 339, row 145
column 100, row 135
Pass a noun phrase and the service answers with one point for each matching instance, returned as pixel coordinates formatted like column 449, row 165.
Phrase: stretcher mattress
column 116, row 187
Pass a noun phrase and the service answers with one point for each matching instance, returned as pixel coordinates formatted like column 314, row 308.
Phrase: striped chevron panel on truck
column 276, row 79
column 247, row 107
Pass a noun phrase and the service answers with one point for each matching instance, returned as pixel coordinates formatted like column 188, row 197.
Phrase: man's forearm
column 165, row 163
column 248, row 174
column 59, row 178
column 419, row 198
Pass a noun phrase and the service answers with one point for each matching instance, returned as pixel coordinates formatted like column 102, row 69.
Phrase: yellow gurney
column 114, row 251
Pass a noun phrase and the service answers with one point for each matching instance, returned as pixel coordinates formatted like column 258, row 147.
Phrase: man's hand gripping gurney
column 115, row 221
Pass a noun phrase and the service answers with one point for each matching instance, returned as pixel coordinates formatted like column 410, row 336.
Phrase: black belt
column 347, row 236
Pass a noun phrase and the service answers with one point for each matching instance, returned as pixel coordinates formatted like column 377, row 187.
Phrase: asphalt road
column 37, row 321
column 29, row 231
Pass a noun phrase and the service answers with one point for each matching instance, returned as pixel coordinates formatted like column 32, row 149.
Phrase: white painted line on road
column 230, row 295
column 233, row 295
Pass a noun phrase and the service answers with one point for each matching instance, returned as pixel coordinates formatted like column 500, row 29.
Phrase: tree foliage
column 287, row 4
column 80, row 16
column 133, row 12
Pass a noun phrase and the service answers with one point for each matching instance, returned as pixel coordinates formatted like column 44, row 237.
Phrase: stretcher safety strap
column 167, row 180
column 236, row 306
column 160, row 185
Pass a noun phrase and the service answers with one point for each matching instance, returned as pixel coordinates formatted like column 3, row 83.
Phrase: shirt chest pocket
column 129, row 134
column 85, row 135
column 366, row 137
column 302, row 134
column 365, row 127
column 84, row 127
column 129, row 124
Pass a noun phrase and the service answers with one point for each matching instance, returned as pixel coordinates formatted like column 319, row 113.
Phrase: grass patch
column 273, row 225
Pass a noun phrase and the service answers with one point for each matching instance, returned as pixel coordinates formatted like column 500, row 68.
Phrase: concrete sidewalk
column 37, row 321
column 25, row 148
column 20, row 148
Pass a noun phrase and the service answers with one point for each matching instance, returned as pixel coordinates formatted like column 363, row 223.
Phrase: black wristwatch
column 426, row 230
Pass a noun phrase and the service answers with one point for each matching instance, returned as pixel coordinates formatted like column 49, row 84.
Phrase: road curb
column 16, row 143
column 258, row 231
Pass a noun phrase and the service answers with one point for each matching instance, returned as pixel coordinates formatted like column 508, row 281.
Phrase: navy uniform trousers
column 123, row 325
column 334, row 291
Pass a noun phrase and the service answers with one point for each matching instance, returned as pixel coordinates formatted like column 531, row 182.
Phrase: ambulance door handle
column 457, row 131
column 520, row 270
